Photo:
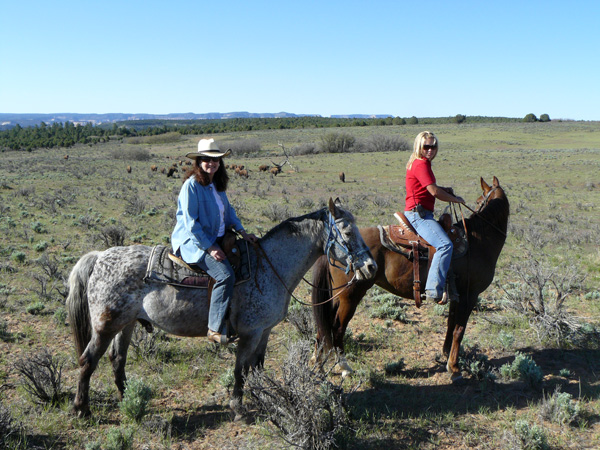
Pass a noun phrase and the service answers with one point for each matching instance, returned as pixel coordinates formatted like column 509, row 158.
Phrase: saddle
column 404, row 239
column 167, row 268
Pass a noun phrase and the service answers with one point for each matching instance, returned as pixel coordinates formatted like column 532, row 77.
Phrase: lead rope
column 343, row 288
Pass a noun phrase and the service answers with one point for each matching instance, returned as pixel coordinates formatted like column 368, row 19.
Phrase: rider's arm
column 442, row 194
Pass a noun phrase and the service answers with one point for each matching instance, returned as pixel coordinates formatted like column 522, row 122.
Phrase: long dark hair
column 220, row 179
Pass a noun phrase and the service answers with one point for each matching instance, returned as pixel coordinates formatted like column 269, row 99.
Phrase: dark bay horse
column 486, row 233
column 107, row 295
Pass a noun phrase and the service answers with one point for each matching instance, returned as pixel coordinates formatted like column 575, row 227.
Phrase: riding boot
column 451, row 290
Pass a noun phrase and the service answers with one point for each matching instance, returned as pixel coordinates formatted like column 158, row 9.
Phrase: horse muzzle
column 366, row 270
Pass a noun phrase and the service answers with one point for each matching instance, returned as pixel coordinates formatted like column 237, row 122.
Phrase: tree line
column 68, row 134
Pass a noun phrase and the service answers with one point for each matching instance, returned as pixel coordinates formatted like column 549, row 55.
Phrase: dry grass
column 53, row 210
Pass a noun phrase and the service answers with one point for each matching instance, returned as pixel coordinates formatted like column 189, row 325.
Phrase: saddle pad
column 161, row 269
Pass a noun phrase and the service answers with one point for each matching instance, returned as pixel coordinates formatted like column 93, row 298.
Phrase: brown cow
column 128, row 169
column 153, row 168
column 342, row 177
column 263, row 168
column 275, row 170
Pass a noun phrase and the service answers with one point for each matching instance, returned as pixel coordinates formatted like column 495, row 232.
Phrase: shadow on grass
column 417, row 410
column 191, row 424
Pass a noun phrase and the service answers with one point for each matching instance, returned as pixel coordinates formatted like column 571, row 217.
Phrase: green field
column 55, row 209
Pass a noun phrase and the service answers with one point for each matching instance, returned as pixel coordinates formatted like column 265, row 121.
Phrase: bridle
column 486, row 197
column 334, row 238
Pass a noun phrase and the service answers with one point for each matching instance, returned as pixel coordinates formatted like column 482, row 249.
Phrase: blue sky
column 402, row 58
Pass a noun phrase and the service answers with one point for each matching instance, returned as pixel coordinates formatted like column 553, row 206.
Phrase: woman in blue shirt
column 203, row 215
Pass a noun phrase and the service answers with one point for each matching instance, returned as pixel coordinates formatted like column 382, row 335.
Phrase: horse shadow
column 389, row 399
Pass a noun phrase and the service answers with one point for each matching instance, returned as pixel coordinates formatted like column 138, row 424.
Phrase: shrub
column 18, row 256
column 41, row 377
column 10, row 429
column 135, row 399
column 530, row 118
column 242, row 147
column 387, row 307
column 476, row 364
column 41, row 246
column 560, row 408
column 337, row 143
column 302, row 318
column 113, row 235
column 304, row 149
column 307, row 410
column 523, row 368
column 276, row 212
column 60, row 316
column 383, row 143
column 540, row 294
column 36, row 308
column 531, row 437
column 115, row 439
column 131, row 154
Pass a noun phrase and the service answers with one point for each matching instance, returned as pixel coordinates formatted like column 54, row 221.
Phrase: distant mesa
column 8, row 120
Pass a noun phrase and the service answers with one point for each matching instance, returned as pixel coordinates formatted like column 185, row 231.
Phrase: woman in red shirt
column 421, row 192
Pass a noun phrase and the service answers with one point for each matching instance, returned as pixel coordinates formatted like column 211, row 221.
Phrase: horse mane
column 300, row 225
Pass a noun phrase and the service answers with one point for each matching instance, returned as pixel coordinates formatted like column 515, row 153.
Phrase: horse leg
column 88, row 363
column 118, row 357
column 450, row 329
column 462, row 313
column 246, row 355
column 345, row 312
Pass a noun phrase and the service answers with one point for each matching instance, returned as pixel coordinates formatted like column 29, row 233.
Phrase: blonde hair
column 418, row 146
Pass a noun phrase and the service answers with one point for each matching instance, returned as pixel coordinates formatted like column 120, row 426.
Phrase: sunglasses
column 429, row 147
column 209, row 158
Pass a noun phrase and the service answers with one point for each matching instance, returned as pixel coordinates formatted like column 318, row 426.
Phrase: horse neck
column 294, row 246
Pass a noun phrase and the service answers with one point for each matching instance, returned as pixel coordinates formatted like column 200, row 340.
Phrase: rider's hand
column 250, row 237
column 459, row 200
column 216, row 252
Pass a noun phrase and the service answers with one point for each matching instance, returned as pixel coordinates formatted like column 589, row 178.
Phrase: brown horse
column 486, row 233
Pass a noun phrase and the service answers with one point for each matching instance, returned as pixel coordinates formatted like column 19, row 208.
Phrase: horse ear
column 333, row 206
column 495, row 182
column 484, row 186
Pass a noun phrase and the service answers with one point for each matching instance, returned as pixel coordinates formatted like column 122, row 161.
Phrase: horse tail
column 323, row 312
column 77, row 301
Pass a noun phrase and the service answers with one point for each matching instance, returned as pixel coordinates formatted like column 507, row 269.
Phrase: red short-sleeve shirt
column 418, row 177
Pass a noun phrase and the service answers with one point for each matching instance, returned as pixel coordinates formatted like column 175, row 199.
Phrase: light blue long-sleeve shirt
column 198, row 220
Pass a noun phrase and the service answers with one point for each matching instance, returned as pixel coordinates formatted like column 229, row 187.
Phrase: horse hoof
column 81, row 414
column 343, row 368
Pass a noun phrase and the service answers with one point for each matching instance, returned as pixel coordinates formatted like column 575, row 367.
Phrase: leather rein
column 333, row 238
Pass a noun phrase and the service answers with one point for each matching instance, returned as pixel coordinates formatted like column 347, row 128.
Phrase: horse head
column 345, row 245
column 489, row 193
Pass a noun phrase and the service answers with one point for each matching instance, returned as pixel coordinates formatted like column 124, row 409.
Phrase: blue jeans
column 430, row 230
column 222, row 291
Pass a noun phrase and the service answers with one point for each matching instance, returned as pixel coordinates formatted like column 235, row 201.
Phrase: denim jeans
column 430, row 230
column 222, row 291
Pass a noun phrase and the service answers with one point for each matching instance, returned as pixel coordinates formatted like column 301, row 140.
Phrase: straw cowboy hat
column 208, row 147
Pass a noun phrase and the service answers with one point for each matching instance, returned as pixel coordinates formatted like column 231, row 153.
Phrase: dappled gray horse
column 107, row 295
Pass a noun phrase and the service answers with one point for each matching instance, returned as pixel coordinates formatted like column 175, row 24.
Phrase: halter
column 334, row 237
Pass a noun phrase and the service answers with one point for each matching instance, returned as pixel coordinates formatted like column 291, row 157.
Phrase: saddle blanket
column 161, row 269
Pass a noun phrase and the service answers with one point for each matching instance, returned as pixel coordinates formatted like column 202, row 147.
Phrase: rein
column 332, row 239
column 483, row 203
